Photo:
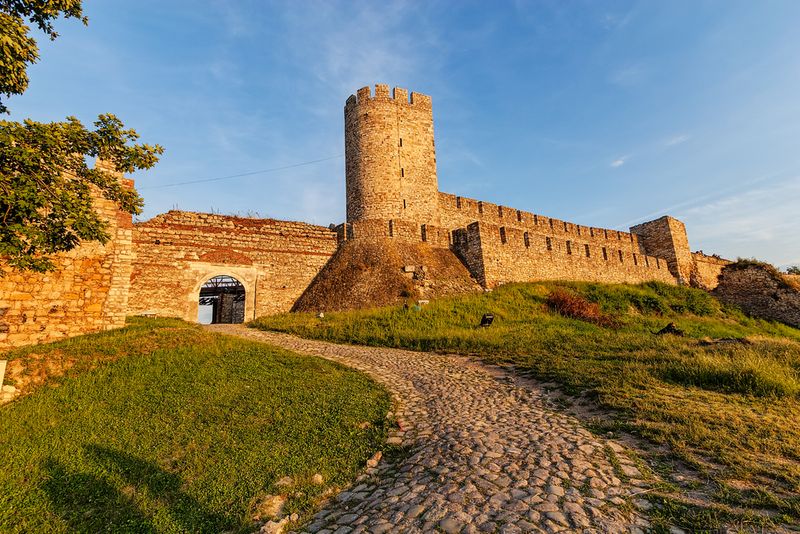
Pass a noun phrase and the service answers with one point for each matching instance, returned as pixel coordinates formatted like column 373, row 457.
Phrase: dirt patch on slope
column 366, row 274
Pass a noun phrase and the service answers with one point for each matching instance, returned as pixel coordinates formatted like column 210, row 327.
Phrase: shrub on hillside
column 650, row 298
column 577, row 307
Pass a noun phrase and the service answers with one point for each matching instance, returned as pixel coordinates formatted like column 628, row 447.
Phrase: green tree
column 46, row 186
column 795, row 269
column 17, row 48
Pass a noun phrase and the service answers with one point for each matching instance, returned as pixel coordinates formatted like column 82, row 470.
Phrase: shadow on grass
column 151, row 501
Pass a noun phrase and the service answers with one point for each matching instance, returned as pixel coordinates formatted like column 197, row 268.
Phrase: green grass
column 730, row 411
column 164, row 427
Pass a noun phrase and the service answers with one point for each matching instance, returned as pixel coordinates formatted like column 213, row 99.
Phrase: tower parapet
column 390, row 157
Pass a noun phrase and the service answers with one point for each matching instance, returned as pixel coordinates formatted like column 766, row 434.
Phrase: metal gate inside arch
column 221, row 301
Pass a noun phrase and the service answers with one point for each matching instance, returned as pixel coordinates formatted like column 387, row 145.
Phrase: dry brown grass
column 575, row 306
column 793, row 280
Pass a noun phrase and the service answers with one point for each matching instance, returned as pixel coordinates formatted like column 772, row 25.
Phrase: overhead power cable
column 240, row 175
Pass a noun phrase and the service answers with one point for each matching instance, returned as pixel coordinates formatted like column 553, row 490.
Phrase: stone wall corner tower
column 666, row 238
column 390, row 157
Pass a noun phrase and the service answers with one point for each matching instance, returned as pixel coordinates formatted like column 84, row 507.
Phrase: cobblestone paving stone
column 486, row 453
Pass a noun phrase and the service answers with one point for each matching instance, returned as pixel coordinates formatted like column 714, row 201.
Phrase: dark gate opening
column 221, row 301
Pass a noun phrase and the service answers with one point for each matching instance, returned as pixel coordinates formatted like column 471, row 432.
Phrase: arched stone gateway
column 178, row 252
column 222, row 300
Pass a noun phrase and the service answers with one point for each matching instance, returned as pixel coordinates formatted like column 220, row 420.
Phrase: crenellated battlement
column 382, row 93
column 457, row 211
column 390, row 157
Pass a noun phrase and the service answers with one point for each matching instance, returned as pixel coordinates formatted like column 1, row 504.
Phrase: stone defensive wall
column 87, row 291
column 502, row 244
column 499, row 254
column 761, row 291
column 177, row 252
column 529, row 247
column 398, row 229
column 707, row 270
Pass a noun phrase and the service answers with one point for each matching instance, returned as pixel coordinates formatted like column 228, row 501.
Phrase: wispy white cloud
column 677, row 140
column 697, row 200
column 370, row 44
column 755, row 218
column 619, row 162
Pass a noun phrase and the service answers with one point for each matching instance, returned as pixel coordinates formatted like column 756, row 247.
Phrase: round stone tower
column 390, row 157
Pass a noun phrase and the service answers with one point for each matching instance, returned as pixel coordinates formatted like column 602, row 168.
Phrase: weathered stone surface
column 466, row 428
column 760, row 292
column 390, row 159
column 87, row 292
column 179, row 251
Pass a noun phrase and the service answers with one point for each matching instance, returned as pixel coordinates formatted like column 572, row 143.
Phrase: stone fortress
column 439, row 242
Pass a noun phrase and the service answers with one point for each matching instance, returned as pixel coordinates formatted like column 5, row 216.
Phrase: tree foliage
column 46, row 186
column 17, row 48
column 795, row 269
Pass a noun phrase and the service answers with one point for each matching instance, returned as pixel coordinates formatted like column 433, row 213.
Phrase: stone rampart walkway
column 486, row 453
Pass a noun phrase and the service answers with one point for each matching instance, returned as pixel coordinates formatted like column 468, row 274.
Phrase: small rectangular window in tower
column 569, row 247
column 635, row 261
column 605, row 254
column 566, row 228
column 402, row 171
column 578, row 226
column 591, row 231
column 404, row 203
column 500, row 211
column 549, row 243
column 551, row 223
column 527, row 239
column 458, row 202
column 424, row 232
column 503, row 235
column 391, row 228
column 480, row 207
column 620, row 256
column 586, row 249
column 519, row 216
column 535, row 220
column 401, row 141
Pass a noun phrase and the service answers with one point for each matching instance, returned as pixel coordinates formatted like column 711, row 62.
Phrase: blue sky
column 601, row 113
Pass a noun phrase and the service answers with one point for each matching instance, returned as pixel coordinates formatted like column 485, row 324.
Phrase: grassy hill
column 725, row 411
column 164, row 427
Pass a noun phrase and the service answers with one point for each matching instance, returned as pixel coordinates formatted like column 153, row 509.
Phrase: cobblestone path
column 487, row 454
